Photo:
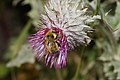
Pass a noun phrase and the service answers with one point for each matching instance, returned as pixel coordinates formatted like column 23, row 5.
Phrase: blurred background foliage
column 100, row 61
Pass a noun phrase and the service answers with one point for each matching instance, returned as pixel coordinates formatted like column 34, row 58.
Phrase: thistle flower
column 64, row 26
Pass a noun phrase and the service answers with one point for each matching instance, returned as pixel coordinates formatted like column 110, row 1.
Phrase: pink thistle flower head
column 64, row 26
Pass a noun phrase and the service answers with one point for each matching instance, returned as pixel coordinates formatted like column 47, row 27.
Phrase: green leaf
column 3, row 70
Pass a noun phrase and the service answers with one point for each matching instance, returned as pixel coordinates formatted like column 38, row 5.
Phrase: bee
column 50, row 42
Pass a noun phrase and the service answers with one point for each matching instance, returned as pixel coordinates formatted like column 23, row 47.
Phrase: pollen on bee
column 50, row 42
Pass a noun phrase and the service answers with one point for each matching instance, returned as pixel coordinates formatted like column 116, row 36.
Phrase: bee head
column 51, row 35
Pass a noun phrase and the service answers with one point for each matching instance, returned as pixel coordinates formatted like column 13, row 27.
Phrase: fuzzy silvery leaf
column 36, row 9
column 24, row 56
column 112, row 66
column 118, row 76
column 107, row 54
column 112, row 58
column 116, row 65
column 106, row 57
column 112, row 70
column 93, row 4
column 117, row 55
column 15, row 2
column 109, row 71
column 115, row 20
column 117, row 33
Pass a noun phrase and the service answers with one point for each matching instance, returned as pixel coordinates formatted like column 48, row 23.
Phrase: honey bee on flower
column 64, row 26
column 51, row 43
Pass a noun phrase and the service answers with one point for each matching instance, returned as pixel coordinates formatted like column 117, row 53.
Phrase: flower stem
column 59, row 74
column 79, row 64
column 16, row 46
